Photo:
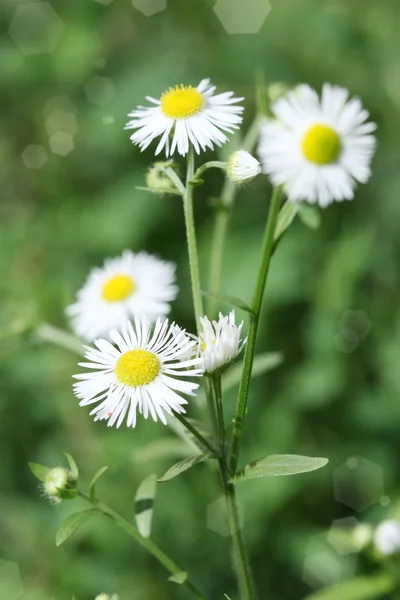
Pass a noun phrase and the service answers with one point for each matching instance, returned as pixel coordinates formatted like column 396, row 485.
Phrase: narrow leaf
column 360, row 588
column 178, row 577
column 144, row 505
column 92, row 486
column 39, row 471
column 285, row 218
column 73, row 467
column 229, row 300
column 184, row 465
column 279, row 465
column 310, row 215
column 72, row 523
column 262, row 364
column 159, row 191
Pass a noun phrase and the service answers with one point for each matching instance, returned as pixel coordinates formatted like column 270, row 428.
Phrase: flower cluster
column 316, row 148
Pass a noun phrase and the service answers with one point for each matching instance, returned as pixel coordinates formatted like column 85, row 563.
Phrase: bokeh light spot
column 36, row 28
column 358, row 483
column 34, row 156
column 217, row 518
column 238, row 17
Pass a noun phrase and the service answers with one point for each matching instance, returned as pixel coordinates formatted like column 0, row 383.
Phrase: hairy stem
column 196, row 434
column 191, row 240
column 266, row 254
column 241, row 561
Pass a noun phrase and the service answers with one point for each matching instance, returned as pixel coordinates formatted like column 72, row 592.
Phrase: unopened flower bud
column 156, row 179
column 277, row 90
column 387, row 537
column 242, row 167
column 60, row 484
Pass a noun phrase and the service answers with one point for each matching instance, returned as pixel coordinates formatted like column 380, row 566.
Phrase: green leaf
column 309, row 215
column 72, row 523
column 73, row 467
column 285, row 218
column 229, row 300
column 360, row 588
column 184, row 465
column 144, row 505
column 92, row 486
column 178, row 577
column 262, row 364
column 39, row 471
column 159, row 191
column 279, row 465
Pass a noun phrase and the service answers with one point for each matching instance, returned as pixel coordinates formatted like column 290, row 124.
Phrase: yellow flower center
column 181, row 102
column 321, row 145
column 137, row 367
column 118, row 288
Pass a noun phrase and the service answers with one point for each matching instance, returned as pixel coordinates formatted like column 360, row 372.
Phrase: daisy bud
column 387, row 537
column 277, row 90
column 106, row 597
column 242, row 167
column 156, row 179
column 59, row 485
column 220, row 342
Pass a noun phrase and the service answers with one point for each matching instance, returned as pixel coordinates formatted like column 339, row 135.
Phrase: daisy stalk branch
column 213, row 164
column 176, row 180
column 191, row 240
column 222, row 217
column 196, row 433
column 266, row 255
column 146, row 543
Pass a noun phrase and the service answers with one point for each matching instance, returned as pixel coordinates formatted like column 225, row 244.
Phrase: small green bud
column 277, row 90
column 156, row 179
column 59, row 485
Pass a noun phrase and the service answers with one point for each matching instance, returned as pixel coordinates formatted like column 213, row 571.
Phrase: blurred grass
column 58, row 221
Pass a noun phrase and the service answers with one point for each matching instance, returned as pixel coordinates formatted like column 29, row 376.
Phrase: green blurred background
column 333, row 293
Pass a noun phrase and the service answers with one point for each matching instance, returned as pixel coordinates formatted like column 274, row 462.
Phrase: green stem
column 266, row 254
column 146, row 543
column 196, row 433
column 222, row 217
column 213, row 164
column 191, row 239
column 61, row 338
column 220, row 412
column 241, row 562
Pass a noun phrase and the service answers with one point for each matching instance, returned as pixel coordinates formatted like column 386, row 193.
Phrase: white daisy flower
column 242, row 167
column 387, row 537
column 192, row 115
column 141, row 372
column 318, row 148
column 220, row 341
column 130, row 285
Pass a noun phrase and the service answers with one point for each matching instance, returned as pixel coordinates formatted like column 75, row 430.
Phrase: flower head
column 318, row 148
column 59, row 485
column 192, row 115
column 157, row 179
column 220, row 342
column 242, row 167
column 387, row 537
column 106, row 597
column 142, row 372
column 127, row 286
